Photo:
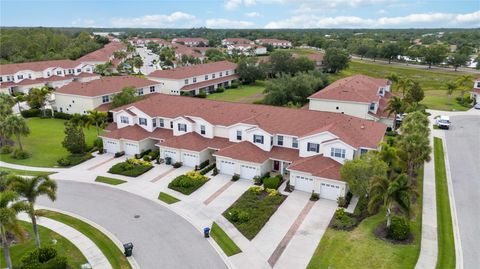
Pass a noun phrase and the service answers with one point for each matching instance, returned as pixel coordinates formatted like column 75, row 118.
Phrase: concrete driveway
column 161, row 238
column 463, row 146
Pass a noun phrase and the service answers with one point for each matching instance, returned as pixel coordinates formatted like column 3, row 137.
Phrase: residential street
column 463, row 146
column 147, row 60
column 161, row 238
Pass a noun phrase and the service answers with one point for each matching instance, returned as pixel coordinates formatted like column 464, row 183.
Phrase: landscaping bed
column 131, row 168
column 188, row 183
column 109, row 180
column 253, row 209
column 74, row 159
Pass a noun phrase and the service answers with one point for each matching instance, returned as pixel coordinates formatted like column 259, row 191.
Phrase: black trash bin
column 206, row 232
column 128, row 249
column 168, row 160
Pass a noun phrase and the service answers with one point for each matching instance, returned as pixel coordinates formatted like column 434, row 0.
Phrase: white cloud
column 253, row 14
column 175, row 19
column 412, row 20
column 84, row 22
column 229, row 24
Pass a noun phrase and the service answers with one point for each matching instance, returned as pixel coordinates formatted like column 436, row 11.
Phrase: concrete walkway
column 91, row 252
column 30, row 168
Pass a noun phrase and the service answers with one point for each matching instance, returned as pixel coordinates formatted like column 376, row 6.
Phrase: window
column 294, row 142
column 171, row 125
column 202, row 129
column 59, row 72
column 186, row 81
column 206, row 77
column 154, row 123
column 372, row 106
column 221, row 74
column 226, row 73
column 363, row 151
column 258, row 139
column 239, row 135
column 182, row 127
column 140, row 91
column 313, row 147
column 1, row 79
column 162, row 123
column 337, row 107
column 88, row 69
column 124, row 119
column 213, row 75
column 194, row 80
column 142, row 121
column 280, row 140
column 105, row 99
column 338, row 153
column 20, row 76
column 152, row 88
column 79, row 70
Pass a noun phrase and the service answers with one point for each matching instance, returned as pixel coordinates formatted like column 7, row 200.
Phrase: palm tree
column 31, row 189
column 97, row 118
column 6, row 104
column 404, row 84
column 464, row 83
column 395, row 106
column 79, row 120
column 15, row 125
column 451, row 87
column 10, row 206
column 40, row 96
column 389, row 192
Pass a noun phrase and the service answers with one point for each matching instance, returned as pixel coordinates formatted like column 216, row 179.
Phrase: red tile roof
column 195, row 142
column 104, row 85
column 272, row 40
column 275, row 120
column 193, row 70
column 238, row 40
column 137, row 133
column 284, row 154
column 190, row 39
column 319, row 166
column 209, row 82
column 25, row 82
column 184, row 50
column 104, row 54
column 357, row 88
column 9, row 69
column 244, row 151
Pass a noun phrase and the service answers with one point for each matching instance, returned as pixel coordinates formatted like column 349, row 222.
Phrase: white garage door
column 329, row 191
column 111, row 146
column 248, row 172
column 303, row 183
column 131, row 148
column 227, row 167
column 171, row 154
column 190, row 159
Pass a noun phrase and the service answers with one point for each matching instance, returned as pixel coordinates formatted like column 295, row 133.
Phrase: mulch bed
column 381, row 233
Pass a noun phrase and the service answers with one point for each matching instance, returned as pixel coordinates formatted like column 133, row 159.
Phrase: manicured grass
column 110, row 250
column 45, row 142
column 186, row 185
column 109, row 180
column 167, row 198
column 257, row 208
column 24, row 172
column 224, row 241
column 446, row 242
column 242, row 94
column 432, row 81
column 64, row 247
column 360, row 248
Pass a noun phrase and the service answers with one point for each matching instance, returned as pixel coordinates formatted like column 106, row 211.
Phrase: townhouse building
column 191, row 80
column 191, row 41
column 181, row 50
column 104, row 54
column 306, row 146
column 145, row 41
column 276, row 43
column 359, row 95
column 22, row 77
column 233, row 41
column 246, row 49
column 80, row 97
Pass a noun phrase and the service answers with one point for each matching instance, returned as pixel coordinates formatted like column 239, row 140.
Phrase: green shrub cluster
column 343, row 221
column 272, row 182
column 30, row 113
column 188, row 183
column 43, row 258
column 119, row 154
column 74, row 159
column 209, row 168
column 177, row 165
column 203, row 164
column 131, row 168
column 20, row 154
column 235, row 177
column 399, row 228
column 6, row 149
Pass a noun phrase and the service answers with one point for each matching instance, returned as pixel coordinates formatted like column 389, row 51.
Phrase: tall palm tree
column 40, row 96
column 451, row 87
column 97, row 118
column 79, row 120
column 404, row 84
column 10, row 206
column 464, row 83
column 6, row 104
column 395, row 106
column 15, row 125
column 389, row 192
column 31, row 189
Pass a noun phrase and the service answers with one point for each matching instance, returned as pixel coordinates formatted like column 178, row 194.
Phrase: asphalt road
column 463, row 145
column 147, row 60
column 161, row 238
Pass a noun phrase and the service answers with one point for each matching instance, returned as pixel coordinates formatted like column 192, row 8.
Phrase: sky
column 262, row 14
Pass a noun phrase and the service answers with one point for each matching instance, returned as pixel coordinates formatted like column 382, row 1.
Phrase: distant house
column 234, row 41
column 316, row 57
column 181, row 50
column 193, row 79
column 104, row 54
column 475, row 92
column 80, row 97
column 246, row 49
column 276, row 43
column 22, row 77
column 191, row 41
column 145, row 41
column 360, row 96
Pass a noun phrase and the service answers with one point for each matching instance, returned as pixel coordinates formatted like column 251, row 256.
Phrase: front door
column 276, row 165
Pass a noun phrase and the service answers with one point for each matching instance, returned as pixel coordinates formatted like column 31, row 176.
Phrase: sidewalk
column 91, row 252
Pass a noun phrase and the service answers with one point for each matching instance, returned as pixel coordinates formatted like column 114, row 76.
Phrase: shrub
column 234, row 84
column 272, row 182
column 235, row 177
column 238, row 215
column 255, row 189
column 202, row 94
column 29, row 113
column 98, row 143
column 204, row 164
column 215, row 171
column 177, row 165
column 63, row 162
column 188, row 183
column 344, row 223
column 208, row 169
column 340, row 213
column 20, row 154
column 6, row 149
column 146, row 158
column 195, row 175
column 399, row 228
column 154, row 154
column 220, row 89
column 342, row 201
column 74, row 159
column 119, row 154
column 314, row 196
column 41, row 255
column 62, row 115
column 131, row 167
column 271, row 192
column 257, row 180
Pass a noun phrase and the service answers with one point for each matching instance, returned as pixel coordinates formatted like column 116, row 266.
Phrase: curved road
column 161, row 238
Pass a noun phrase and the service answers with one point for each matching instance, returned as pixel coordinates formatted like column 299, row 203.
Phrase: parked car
column 477, row 106
column 443, row 122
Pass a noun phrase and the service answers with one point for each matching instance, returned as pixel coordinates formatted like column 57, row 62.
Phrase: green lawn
column 109, row 180
column 224, row 241
column 432, row 81
column 167, row 198
column 63, row 246
column 360, row 248
column 446, row 242
column 24, row 172
column 243, row 94
column 45, row 142
column 110, row 250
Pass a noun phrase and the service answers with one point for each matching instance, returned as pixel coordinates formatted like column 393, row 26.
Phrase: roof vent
column 363, row 126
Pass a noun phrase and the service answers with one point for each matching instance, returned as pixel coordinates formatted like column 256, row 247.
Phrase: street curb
column 111, row 236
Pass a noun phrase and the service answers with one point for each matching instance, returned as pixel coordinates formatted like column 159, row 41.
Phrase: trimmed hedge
column 30, row 113
column 272, row 182
column 74, row 159
column 203, row 164
column 128, row 169
column 187, row 184
column 208, row 169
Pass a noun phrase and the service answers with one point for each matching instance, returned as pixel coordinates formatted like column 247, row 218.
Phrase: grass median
column 224, row 241
column 113, row 254
column 446, row 243
column 109, row 180
column 167, row 198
